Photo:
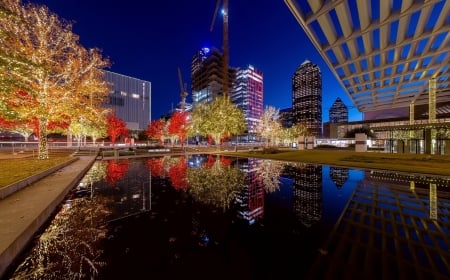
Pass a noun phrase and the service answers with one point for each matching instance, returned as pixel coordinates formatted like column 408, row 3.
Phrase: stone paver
column 24, row 212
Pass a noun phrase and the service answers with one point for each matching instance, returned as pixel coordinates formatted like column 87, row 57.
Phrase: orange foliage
column 156, row 130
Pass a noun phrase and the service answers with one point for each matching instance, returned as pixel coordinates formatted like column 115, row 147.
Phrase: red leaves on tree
column 155, row 166
column 178, row 125
column 116, row 128
column 177, row 175
column 156, row 130
column 210, row 140
column 57, row 124
column 22, row 98
column 224, row 138
column 7, row 124
column 116, row 170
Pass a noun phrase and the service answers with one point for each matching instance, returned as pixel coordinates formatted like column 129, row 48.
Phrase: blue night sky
column 149, row 40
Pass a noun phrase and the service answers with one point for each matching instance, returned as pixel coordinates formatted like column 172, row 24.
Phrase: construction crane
column 183, row 90
column 225, row 47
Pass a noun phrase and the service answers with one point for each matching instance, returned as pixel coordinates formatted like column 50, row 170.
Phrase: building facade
column 307, row 97
column 247, row 94
column 207, row 75
column 130, row 100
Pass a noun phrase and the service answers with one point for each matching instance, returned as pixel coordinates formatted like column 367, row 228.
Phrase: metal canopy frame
column 384, row 53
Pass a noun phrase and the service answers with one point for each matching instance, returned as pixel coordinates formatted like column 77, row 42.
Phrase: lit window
column 135, row 95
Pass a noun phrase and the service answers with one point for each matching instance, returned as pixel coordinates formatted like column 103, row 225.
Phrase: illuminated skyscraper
column 248, row 95
column 338, row 112
column 307, row 97
column 207, row 75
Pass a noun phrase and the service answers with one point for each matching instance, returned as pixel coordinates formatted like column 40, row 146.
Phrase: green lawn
column 411, row 163
column 17, row 168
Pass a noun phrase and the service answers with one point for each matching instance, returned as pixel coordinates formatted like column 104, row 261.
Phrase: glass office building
column 130, row 100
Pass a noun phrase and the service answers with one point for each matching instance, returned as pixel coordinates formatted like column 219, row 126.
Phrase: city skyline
column 149, row 41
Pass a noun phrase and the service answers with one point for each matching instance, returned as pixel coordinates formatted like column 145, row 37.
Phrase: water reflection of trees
column 116, row 170
column 216, row 183
column 69, row 247
column 156, row 166
column 269, row 172
column 96, row 173
column 177, row 174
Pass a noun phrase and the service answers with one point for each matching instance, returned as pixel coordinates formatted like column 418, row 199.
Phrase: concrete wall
column 360, row 142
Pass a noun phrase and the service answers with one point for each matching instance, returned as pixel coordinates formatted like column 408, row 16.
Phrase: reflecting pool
column 216, row 217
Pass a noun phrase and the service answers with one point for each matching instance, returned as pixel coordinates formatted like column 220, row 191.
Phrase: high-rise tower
column 307, row 97
column 338, row 112
column 248, row 95
column 207, row 75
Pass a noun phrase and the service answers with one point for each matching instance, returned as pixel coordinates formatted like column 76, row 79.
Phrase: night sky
column 150, row 39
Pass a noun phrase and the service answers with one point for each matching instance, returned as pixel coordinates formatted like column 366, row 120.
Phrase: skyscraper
column 307, row 97
column 286, row 117
column 248, row 94
column 207, row 75
column 338, row 112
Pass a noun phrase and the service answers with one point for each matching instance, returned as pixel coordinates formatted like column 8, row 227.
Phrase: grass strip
column 16, row 169
column 410, row 163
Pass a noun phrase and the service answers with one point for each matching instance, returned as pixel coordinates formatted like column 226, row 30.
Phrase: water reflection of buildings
column 405, row 179
column 389, row 230
column 131, row 190
column 339, row 176
column 307, row 188
column 250, row 201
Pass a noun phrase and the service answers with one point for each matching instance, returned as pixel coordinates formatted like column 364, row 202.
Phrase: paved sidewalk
column 24, row 212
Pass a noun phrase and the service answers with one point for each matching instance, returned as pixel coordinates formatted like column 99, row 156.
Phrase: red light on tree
column 178, row 125
column 116, row 128
column 156, row 130
column 7, row 124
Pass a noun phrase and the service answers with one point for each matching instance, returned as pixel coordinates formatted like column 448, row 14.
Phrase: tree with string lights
column 217, row 119
column 178, row 125
column 60, row 77
column 269, row 126
column 156, row 130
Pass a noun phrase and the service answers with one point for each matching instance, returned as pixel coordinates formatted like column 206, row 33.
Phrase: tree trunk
column 43, row 145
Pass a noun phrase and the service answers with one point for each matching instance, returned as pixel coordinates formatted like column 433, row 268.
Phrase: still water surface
column 214, row 217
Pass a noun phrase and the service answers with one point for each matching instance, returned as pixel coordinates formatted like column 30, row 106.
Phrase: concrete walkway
column 24, row 212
